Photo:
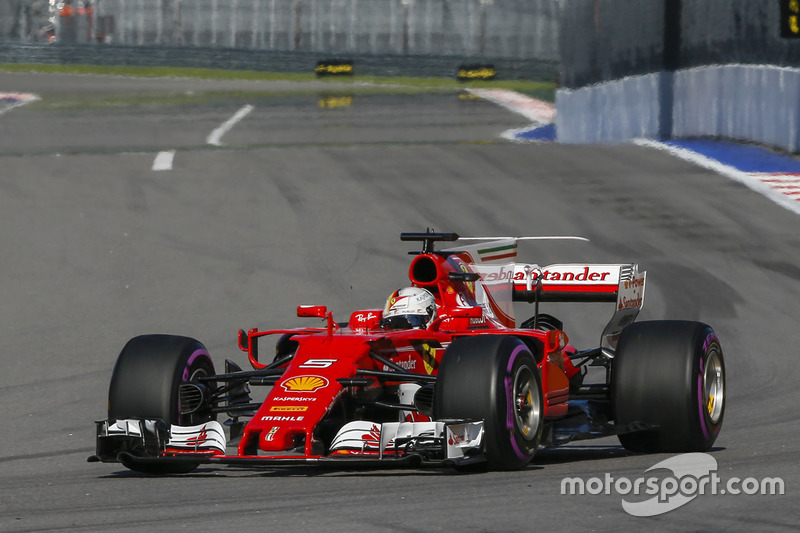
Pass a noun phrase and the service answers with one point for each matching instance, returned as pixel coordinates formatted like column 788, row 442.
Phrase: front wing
column 149, row 443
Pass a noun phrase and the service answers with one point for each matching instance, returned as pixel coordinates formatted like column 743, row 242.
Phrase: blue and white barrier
column 756, row 103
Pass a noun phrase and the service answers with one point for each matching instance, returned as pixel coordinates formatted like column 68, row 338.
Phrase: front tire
column 494, row 378
column 146, row 381
column 670, row 375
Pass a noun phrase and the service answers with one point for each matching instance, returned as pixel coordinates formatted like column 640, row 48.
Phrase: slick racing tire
column 669, row 375
column 146, row 381
column 494, row 378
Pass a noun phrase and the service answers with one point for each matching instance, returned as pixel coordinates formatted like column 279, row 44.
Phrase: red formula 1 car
column 441, row 375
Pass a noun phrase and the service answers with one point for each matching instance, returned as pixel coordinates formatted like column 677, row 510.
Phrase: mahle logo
column 693, row 475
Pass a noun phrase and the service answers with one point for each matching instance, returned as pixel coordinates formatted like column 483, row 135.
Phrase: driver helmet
column 409, row 308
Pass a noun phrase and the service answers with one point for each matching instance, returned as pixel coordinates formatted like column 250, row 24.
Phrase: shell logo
column 305, row 384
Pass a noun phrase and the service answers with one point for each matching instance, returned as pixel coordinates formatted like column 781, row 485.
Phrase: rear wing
column 623, row 284
column 570, row 282
column 495, row 261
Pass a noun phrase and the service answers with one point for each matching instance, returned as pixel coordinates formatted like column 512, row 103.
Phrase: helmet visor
column 405, row 322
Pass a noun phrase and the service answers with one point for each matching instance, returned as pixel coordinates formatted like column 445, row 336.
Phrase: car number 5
column 318, row 363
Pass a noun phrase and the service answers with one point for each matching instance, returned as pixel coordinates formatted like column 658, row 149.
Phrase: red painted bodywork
column 309, row 388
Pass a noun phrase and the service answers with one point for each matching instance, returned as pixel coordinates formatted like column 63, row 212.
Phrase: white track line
column 215, row 136
column 753, row 181
column 163, row 160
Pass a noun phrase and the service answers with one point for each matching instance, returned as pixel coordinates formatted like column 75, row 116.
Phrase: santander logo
column 560, row 273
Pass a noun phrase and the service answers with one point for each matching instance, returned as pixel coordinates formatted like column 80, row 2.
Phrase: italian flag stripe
column 498, row 252
column 499, row 256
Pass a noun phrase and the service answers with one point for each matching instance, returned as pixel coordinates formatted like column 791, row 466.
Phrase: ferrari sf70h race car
column 441, row 375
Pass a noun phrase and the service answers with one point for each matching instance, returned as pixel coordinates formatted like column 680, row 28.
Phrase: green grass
column 374, row 84
column 150, row 72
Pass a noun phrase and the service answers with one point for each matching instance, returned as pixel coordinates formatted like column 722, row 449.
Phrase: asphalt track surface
column 305, row 204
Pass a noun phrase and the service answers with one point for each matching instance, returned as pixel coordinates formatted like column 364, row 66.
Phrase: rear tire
column 494, row 378
column 669, row 374
column 146, row 380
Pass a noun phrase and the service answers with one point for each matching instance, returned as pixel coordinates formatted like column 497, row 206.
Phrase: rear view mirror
column 244, row 341
column 318, row 311
column 467, row 312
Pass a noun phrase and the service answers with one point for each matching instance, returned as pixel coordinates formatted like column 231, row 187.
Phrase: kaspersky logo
column 304, row 384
